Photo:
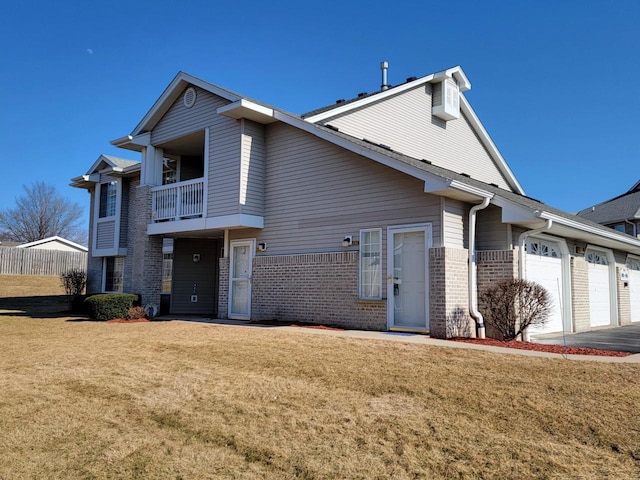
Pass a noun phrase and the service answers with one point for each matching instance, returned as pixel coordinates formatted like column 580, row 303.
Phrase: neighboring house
column 621, row 213
column 55, row 243
column 387, row 212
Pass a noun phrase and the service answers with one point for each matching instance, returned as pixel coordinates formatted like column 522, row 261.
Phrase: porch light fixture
column 262, row 246
column 196, row 257
column 347, row 241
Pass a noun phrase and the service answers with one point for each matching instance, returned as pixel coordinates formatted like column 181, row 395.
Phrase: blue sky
column 552, row 81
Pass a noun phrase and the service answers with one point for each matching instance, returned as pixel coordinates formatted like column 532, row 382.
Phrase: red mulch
column 128, row 320
column 539, row 347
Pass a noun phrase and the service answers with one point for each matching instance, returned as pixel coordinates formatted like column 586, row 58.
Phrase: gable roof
column 516, row 207
column 618, row 209
column 344, row 107
column 57, row 239
column 107, row 164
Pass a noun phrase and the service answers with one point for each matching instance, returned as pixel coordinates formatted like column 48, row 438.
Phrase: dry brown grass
column 30, row 285
column 179, row 400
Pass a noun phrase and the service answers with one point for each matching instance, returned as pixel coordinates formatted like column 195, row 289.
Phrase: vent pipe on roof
column 384, row 66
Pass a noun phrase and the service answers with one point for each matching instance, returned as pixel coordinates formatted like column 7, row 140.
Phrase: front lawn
column 184, row 400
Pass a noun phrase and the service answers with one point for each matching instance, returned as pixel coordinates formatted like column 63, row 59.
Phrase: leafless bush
column 458, row 324
column 137, row 312
column 74, row 281
column 512, row 306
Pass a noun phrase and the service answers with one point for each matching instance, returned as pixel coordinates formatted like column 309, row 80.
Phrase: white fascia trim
column 109, row 252
column 512, row 212
column 439, row 184
column 211, row 223
column 489, row 145
column 235, row 109
column 172, row 92
column 352, row 147
column 53, row 239
column 451, row 72
column 239, row 220
column 613, row 235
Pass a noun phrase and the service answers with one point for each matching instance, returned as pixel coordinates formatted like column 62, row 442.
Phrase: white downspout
column 473, row 287
column 521, row 244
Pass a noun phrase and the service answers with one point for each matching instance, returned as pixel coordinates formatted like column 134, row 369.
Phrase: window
column 113, row 269
column 619, row 227
column 370, row 278
column 167, row 272
column 108, row 192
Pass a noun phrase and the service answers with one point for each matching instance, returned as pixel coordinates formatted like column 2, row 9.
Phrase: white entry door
column 241, row 262
column 633, row 265
column 599, row 289
column 543, row 265
column 408, row 290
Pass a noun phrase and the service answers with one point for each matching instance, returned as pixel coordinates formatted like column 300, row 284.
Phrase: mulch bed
column 539, row 347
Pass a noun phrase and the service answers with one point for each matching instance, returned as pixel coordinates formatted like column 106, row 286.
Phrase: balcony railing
column 178, row 201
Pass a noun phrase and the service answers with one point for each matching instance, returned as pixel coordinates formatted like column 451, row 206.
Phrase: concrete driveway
column 621, row 339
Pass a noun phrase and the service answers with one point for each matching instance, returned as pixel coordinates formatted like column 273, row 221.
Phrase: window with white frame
column 370, row 265
column 619, row 227
column 167, row 272
column 108, row 193
column 113, row 269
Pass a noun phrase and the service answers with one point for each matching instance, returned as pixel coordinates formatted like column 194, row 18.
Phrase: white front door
column 240, row 278
column 408, row 276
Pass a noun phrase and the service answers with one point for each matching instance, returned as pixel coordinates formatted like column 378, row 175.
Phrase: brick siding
column 580, row 294
column 318, row 288
column 223, row 287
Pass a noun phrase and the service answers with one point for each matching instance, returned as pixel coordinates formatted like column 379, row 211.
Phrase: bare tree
column 40, row 213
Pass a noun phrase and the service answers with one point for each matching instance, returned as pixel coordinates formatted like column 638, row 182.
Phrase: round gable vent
column 189, row 98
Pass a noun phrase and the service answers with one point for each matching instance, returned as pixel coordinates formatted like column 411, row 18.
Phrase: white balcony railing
column 178, row 200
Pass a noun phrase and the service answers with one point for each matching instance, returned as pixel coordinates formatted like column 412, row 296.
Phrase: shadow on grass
column 45, row 306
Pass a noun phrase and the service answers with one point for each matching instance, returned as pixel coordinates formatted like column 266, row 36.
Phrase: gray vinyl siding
column 316, row 193
column 491, row 233
column 191, row 277
column 180, row 121
column 453, row 144
column 252, row 169
column 105, row 235
column 224, row 167
column 455, row 217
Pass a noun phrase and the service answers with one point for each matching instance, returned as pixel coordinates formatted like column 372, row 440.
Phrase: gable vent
column 189, row 98
column 446, row 101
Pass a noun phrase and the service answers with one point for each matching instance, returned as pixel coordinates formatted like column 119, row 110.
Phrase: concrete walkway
column 621, row 339
column 409, row 338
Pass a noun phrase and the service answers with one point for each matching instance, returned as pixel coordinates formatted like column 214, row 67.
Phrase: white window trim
column 360, row 295
column 116, row 217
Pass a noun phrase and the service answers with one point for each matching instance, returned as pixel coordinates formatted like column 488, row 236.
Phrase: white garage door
column 634, row 288
column 599, row 293
column 543, row 265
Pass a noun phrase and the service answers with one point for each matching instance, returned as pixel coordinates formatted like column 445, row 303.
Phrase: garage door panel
column 634, row 294
column 547, row 271
column 599, row 295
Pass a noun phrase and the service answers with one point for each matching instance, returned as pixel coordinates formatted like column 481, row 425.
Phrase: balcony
column 178, row 201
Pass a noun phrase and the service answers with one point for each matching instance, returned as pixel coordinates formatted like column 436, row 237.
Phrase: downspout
column 473, row 284
column 521, row 244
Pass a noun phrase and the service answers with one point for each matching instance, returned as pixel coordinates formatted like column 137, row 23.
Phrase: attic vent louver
column 189, row 98
column 446, row 99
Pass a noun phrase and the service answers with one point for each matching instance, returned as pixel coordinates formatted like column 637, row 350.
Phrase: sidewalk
column 406, row 338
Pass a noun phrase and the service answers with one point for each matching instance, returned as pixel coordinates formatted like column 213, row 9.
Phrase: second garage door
column 599, row 289
column 633, row 265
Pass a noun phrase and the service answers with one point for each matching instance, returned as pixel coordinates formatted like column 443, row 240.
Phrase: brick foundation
column 318, row 288
column 449, row 293
column 223, row 287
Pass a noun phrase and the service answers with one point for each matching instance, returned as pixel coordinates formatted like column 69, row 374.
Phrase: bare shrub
column 137, row 312
column 512, row 306
column 458, row 324
column 74, row 281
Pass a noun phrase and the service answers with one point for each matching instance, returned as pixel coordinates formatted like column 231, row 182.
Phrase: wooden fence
column 32, row 261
